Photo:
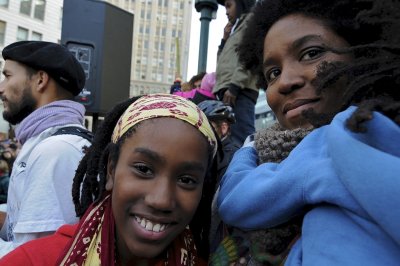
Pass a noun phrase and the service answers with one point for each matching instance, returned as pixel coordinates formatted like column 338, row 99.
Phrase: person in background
column 236, row 86
column 176, row 87
column 186, row 87
column 4, row 180
column 10, row 151
column 221, row 117
column 203, row 93
column 143, row 191
column 39, row 85
column 195, row 81
column 342, row 177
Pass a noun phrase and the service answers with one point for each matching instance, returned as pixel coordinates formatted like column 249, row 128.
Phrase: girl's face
column 294, row 47
column 230, row 7
column 156, row 186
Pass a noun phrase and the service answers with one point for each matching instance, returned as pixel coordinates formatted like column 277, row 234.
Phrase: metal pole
column 205, row 18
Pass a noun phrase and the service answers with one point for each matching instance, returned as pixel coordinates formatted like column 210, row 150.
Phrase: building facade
column 161, row 37
column 29, row 20
column 160, row 42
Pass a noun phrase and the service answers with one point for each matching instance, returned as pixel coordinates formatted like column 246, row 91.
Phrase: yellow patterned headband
column 164, row 105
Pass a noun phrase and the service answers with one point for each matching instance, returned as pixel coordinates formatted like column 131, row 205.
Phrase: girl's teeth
column 149, row 225
column 156, row 228
column 143, row 223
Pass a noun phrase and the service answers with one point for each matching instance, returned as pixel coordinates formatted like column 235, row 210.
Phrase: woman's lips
column 296, row 104
column 151, row 225
column 152, row 229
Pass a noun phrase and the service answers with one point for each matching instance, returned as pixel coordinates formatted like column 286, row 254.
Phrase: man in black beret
column 39, row 84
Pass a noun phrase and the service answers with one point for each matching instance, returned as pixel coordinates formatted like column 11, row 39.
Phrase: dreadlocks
column 371, row 27
column 91, row 176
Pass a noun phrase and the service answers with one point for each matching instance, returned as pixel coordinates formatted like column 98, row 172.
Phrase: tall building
column 160, row 42
column 29, row 20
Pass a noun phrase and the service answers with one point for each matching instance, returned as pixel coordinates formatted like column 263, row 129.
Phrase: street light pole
column 207, row 9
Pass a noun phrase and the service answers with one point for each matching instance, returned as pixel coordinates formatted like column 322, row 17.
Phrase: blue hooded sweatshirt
column 348, row 182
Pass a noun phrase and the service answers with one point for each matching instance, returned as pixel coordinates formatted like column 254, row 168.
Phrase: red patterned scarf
column 94, row 244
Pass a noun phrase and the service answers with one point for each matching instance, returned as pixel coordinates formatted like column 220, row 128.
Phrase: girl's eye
column 272, row 74
column 188, row 182
column 142, row 169
column 311, row 53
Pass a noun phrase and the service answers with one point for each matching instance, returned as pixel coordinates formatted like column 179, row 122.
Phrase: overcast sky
column 214, row 38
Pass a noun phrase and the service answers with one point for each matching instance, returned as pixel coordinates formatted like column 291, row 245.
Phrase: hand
column 227, row 30
column 229, row 98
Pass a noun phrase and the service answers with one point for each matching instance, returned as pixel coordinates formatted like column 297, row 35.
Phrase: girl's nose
column 161, row 195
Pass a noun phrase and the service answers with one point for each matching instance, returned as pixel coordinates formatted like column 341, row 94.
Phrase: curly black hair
column 371, row 27
column 90, row 179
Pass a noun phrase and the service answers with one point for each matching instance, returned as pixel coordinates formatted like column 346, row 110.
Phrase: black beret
column 52, row 58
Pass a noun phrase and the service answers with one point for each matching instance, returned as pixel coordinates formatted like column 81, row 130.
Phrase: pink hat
column 208, row 81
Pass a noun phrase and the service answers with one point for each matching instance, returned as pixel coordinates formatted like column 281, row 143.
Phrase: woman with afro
column 333, row 66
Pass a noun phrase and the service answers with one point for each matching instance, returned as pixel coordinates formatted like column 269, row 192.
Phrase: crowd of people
column 184, row 178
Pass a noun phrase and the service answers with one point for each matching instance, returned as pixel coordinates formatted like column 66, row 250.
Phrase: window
column 36, row 36
column 2, row 32
column 4, row 3
column 40, row 6
column 38, row 11
column 25, row 7
column 22, row 34
column 61, row 17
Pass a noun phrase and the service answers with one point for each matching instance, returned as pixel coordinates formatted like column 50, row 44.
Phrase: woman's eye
column 311, row 53
column 272, row 74
column 143, row 169
column 188, row 181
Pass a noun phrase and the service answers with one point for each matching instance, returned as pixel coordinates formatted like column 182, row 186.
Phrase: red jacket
column 33, row 253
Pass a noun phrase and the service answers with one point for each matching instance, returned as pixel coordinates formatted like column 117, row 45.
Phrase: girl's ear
column 110, row 175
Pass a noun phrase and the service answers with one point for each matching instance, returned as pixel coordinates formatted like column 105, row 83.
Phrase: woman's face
column 294, row 47
column 230, row 7
column 156, row 186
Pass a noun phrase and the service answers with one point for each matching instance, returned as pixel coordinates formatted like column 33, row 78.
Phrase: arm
column 227, row 32
column 369, row 166
column 47, row 201
column 254, row 197
column 240, row 78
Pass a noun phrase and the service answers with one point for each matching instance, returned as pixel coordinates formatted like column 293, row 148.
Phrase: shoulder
column 42, row 251
column 54, row 145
